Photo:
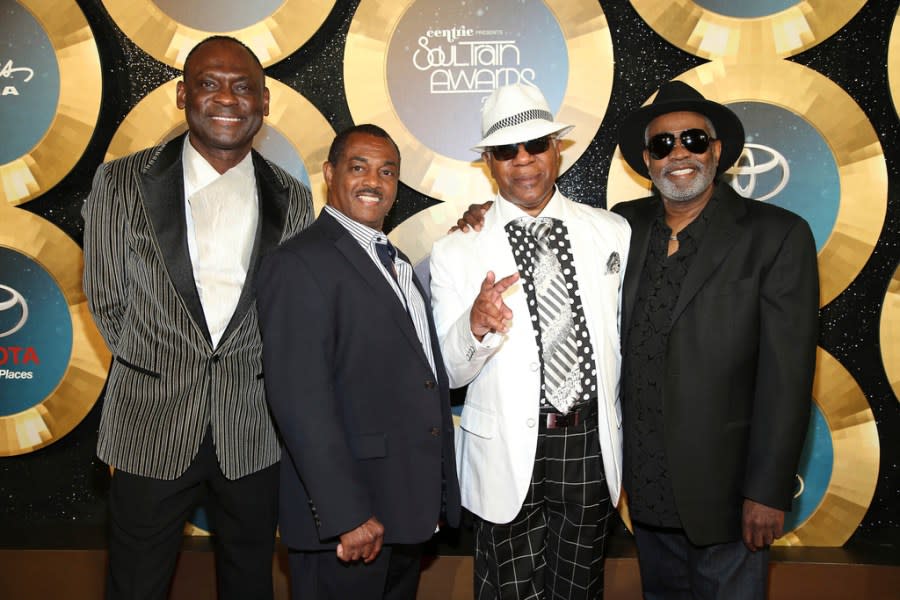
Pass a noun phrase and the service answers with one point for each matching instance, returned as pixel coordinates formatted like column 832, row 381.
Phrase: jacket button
column 435, row 431
column 535, row 366
column 215, row 358
column 530, row 422
column 429, row 384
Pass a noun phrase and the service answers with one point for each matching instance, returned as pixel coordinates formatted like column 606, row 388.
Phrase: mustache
column 687, row 162
column 370, row 192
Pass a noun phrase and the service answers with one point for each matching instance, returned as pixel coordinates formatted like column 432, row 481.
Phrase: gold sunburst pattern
column 48, row 249
column 853, row 142
column 79, row 86
column 273, row 37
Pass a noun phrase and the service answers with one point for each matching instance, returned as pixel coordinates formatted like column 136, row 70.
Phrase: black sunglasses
column 509, row 151
column 695, row 141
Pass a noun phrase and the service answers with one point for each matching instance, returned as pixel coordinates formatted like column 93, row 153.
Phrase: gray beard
column 674, row 192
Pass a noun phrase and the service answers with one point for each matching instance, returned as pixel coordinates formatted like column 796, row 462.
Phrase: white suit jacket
column 495, row 449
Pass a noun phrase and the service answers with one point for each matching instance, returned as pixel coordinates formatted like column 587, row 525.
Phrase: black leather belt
column 576, row 416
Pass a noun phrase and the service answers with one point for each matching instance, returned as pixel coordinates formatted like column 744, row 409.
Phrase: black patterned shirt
column 650, row 497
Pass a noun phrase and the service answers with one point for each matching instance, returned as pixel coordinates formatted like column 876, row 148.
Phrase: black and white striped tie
column 562, row 373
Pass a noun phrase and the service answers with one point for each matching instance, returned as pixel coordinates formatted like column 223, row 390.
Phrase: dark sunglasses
column 695, row 141
column 509, row 151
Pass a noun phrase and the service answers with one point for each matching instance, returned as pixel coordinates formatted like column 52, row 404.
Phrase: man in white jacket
column 527, row 313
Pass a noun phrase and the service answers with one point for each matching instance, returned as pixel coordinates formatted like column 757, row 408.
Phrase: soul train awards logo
column 443, row 60
column 464, row 66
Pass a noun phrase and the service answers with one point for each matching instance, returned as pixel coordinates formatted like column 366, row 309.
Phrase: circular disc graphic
column 890, row 332
column 856, row 455
column 294, row 128
column 271, row 35
column 54, row 362
column 776, row 33
column 468, row 58
column 851, row 139
column 53, row 133
column 839, row 465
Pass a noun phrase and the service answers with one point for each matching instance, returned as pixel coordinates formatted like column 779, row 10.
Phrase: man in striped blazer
column 173, row 238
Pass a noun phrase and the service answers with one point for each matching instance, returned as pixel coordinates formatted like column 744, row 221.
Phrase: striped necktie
column 554, row 310
column 386, row 254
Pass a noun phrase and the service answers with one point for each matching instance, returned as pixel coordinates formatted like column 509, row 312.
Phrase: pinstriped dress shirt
column 406, row 291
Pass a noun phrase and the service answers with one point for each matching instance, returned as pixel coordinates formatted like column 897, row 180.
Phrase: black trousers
column 394, row 575
column 672, row 568
column 146, row 529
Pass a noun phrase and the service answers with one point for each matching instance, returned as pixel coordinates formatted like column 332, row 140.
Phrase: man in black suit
column 357, row 386
column 173, row 236
column 719, row 324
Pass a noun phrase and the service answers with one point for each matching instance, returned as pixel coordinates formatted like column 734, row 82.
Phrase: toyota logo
column 15, row 299
column 748, row 167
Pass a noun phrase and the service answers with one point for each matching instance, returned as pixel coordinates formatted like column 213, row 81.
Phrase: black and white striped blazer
column 167, row 383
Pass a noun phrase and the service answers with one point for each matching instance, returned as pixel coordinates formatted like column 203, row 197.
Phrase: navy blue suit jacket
column 365, row 424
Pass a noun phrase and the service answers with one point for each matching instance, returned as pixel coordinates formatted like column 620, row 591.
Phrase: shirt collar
column 507, row 211
column 365, row 235
column 695, row 228
column 198, row 173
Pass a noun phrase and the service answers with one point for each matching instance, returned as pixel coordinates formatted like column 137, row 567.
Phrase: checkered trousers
column 553, row 549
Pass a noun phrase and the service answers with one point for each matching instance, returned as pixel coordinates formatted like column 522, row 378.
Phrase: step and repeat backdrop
column 815, row 82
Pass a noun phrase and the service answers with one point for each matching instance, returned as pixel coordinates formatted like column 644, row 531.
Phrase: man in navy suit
column 357, row 386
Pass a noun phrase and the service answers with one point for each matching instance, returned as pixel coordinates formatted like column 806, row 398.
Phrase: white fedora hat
column 516, row 113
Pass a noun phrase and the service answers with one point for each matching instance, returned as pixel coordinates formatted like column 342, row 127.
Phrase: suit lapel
column 273, row 207
column 641, row 226
column 432, row 334
column 384, row 293
column 163, row 199
column 721, row 235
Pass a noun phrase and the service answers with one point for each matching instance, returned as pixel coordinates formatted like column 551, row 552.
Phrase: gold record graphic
column 169, row 41
column 855, row 458
column 80, row 84
column 712, row 35
column 156, row 118
column 459, row 182
column 856, row 452
column 893, row 63
column 851, row 138
column 890, row 333
column 85, row 375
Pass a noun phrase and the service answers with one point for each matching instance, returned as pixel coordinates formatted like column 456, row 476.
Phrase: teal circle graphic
column 218, row 15
column 809, row 173
column 742, row 9
column 29, row 82
column 814, row 472
column 35, row 333
column 272, row 144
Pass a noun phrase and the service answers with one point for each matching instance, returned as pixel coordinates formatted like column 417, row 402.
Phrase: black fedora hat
column 676, row 96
